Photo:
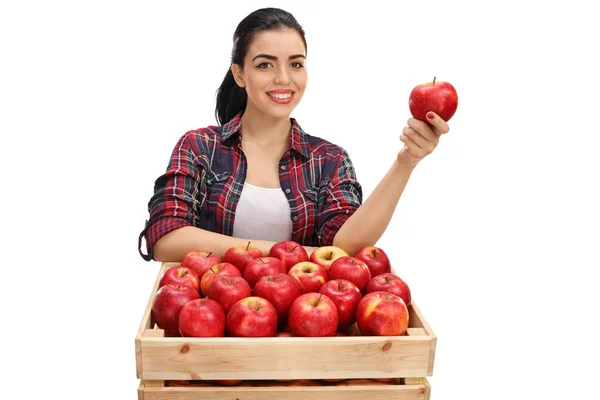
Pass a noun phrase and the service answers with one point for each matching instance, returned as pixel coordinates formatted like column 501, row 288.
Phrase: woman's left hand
column 421, row 138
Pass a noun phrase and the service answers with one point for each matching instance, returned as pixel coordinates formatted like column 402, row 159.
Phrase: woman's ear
column 236, row 71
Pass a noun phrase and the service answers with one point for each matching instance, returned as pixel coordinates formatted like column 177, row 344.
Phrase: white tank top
column 262, row 214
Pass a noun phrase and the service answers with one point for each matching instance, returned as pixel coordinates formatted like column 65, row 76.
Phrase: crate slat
column 418, row 391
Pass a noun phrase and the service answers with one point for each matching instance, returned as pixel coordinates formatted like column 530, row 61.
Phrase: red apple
column 351, row 269
column 263, row 266
column 202, row 318
column 241, row 255
column 383, row 380
column 284, row 334
column 309, row 276
column 313, row 314
column 346, row 297
column 390, row 283
column 325, row 255
column 439, row 97
column 227, row 290
column 289, row 252
column 200, row 261
column 252, row 317
column 280, row 290
column 167, row 305
column 376, row 259
column 179, row 275
column 304, row 382
column 216, row 270
column 382, row 314
column 229, row 382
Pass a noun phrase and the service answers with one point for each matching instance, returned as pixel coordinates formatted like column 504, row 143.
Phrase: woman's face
column 274, row 73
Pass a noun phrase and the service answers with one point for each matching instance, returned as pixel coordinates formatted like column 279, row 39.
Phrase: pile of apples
column 285, row 293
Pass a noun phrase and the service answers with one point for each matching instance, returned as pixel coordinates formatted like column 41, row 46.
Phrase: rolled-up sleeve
column 178, row 194
column 343, row 197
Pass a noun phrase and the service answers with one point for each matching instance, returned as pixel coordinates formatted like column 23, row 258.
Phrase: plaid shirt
column 207, row 170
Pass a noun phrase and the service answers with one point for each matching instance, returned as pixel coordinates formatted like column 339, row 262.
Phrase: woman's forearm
column 370, row 220
column 177, row 243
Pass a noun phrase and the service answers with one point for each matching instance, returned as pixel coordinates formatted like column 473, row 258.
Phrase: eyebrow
column 270, row 57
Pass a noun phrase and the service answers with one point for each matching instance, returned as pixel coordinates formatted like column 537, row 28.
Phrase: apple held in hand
column 202, row 318
column 326, row 255
column 200, row 261
column 167, row 305
column 217, row 270
column 390, row 283
column 280, row 290
column 376, row 259
column 263, row 266
column 228, row 290
column 252, row 317
column 346, row 297
column 313, row 314
column 351, row 269
column 439, row 97
column 382, row 314
column 179, row 275
column 289, row 252
column 241, row 255
column 309, row 276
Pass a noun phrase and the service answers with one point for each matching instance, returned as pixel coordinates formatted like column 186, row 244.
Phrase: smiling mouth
column 281, row 96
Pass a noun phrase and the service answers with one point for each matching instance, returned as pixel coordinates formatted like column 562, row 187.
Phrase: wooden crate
column 159, row 359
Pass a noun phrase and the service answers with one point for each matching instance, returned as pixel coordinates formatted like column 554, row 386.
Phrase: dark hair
column 231, row 99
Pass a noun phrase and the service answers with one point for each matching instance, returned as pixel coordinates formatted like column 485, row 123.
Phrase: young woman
column 258, row 176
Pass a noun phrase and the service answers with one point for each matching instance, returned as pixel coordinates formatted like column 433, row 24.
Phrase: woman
column 258, row 176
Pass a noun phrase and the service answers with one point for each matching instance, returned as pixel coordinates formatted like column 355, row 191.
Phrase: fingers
column 423, row 129
column 421, row 142
column 411, row 146
column 437, row 123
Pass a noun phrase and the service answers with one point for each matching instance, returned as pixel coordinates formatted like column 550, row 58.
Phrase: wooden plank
column 416, row 332
column 378, row 392
column 422, row 323
column 140, row 391
column 158, row 333
column 285, row 357
column 146, row 321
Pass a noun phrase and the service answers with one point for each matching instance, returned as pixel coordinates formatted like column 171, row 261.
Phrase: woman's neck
column 264, row 130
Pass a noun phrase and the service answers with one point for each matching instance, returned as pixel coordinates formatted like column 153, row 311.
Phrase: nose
column 281, row 77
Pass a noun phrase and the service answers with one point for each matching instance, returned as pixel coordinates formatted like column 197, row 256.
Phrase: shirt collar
column 298, row 139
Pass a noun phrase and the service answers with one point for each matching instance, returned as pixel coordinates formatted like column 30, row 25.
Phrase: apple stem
column 209, row 253
column 319, row 299
column 434, row 80
column 293, row 248
column 261, row 260
column 248, row 246
column 330, row 255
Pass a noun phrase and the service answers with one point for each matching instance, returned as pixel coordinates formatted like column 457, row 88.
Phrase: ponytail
column 231, row 99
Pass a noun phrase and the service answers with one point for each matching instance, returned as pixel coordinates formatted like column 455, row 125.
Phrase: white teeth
column 280, row 95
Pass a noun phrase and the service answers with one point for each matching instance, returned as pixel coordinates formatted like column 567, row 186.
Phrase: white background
column 497, row 231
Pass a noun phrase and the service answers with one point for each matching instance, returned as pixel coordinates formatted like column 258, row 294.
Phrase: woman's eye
column 297, row 65
column 264, row 65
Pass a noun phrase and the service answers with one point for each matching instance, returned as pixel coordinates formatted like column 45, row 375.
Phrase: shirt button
column 287, row 190
column 295, row 219
column 283, row 167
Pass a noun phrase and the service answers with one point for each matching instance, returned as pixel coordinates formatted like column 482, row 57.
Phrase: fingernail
column 430, row 115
